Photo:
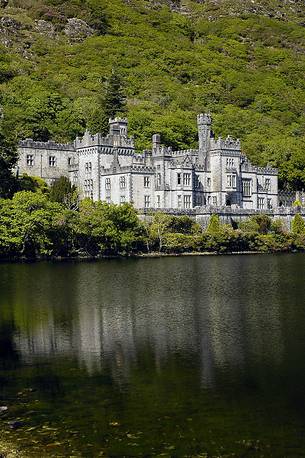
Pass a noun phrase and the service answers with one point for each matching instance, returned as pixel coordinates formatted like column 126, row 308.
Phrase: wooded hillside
column 242, row 60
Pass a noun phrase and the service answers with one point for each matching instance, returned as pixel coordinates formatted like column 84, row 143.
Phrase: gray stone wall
column 228, row 215
column 48, row 160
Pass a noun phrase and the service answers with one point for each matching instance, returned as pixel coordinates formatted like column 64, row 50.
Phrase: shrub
column 298, row 224
column 180, row 243
column 214, row 226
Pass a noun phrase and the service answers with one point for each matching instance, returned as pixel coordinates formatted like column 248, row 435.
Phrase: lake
column 179, row 357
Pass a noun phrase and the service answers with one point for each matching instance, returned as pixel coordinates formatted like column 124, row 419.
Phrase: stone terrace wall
column 227, row 215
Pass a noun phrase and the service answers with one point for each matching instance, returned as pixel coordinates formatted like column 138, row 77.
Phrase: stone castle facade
column 109, row 169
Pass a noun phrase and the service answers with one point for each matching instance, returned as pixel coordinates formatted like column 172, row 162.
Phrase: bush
column 180, row 243
column 227, row 240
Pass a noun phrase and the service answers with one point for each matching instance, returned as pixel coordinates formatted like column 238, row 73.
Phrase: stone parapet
column 227, row 214
column 49, row 145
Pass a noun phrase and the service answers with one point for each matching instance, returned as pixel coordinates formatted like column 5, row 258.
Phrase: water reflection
column 222, row 314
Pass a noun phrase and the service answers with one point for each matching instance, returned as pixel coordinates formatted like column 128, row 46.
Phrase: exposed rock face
column 9, row 29
column 77, row 29
column 45, row 28
column 10, row 23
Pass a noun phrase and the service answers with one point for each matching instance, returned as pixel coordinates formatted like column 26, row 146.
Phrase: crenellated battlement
column 246, row 166
column 49, row 145
column 185, row 152
column 204, row 119
column 89, row 140
column 228, row 143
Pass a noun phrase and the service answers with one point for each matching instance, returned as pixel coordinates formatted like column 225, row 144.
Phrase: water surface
column 187, row 356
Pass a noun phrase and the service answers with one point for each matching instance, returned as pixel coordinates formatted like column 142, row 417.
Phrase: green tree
column 29, row 183
column 8, row 159
column 157, row 229
column 64, row 192
column 298, row 224
column 214, row 226
column 29, row 225
column 114, row 99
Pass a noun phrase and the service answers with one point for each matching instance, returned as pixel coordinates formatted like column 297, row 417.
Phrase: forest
column 166, row 61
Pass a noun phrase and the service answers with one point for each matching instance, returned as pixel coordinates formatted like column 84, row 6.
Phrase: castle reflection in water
column 107, row 315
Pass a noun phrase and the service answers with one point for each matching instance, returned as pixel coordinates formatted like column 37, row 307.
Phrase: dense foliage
column 34, row 226
column 242, row 60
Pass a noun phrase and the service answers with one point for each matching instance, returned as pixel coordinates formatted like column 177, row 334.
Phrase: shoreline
column 151, row 255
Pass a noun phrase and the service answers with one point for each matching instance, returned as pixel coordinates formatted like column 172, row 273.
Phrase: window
column 197, row 182
column 186, row 179
column 108, row 200
column 208, row 182
column 231, row 181
column 209, row 200
column 158, row 201
column 88, row 188
column 146, row 201
column 269, row 203
column 267, row 184
column 122, row 199
column 179, row 201
column 107, row 183
column 260, row 202
column 69, row 160
column 52, row 161
column 178, row 178
column 88, row 167
column 122, row 182
column 246, row 188
column 214, row 200
column 30, row 160
column 158, row 179
column 230, row 162
column 146, row 182
column 187, row 201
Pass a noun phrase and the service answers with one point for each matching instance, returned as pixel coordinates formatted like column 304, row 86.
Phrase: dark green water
column 192, row 356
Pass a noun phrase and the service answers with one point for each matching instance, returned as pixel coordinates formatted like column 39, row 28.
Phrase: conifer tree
column 298, row 224
column 64, row 192
column 114, row 99
column 214, row 225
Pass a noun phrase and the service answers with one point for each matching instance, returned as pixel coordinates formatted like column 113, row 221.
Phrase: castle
column 109, row 169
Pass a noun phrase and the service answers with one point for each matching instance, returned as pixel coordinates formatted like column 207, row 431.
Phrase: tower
column 118, row 127
column 204, row 122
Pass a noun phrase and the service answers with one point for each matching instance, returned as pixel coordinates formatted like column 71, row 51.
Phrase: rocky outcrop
column 9, row 28
column 77, row 29
column 45, row 28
